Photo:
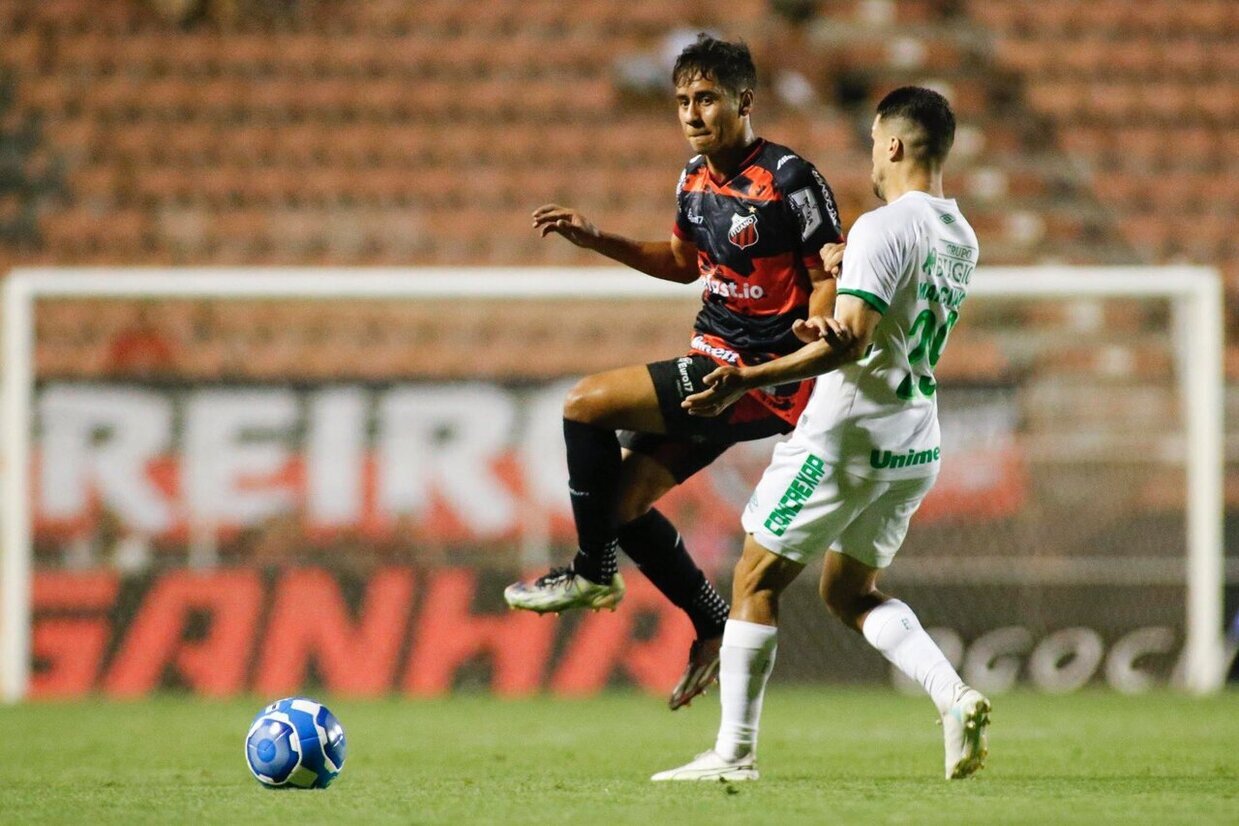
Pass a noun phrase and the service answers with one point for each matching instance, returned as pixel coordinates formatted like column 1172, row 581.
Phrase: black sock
column 593, row 479
column 657, row 548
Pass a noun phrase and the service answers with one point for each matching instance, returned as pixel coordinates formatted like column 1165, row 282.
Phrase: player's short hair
column 930, row 113
column 730, row 65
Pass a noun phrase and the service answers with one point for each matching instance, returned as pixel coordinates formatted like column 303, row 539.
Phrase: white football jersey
column 911, row 260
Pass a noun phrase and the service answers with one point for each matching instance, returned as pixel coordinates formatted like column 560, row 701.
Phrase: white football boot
column 562, row 589
column 709, row 765
column 699, row 674
column 963, row 728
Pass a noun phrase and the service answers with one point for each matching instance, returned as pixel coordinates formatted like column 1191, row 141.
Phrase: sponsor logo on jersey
column 952, row 297
column 730, row 289
column 959, row 251
column 798, row 492
column 826, row 196
column 784, row 160
column 702, row 346
column 880, row 459
column 955, row 263
column 743, row 231
column 808, row 213
column 686, row 380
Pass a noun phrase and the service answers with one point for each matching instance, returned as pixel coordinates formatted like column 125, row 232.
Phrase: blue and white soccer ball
column 295, row 743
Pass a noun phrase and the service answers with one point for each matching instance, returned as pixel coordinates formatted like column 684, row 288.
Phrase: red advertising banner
column 414, row 632
column 426, row 632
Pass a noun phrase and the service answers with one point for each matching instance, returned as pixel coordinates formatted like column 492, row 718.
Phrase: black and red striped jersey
column 756, row 234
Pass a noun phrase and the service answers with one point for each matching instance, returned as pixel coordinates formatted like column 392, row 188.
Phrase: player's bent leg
column 656, row 546
column 849, row 589
column 894, row 630
column 849, row 579
column 593, row 580
column 620, row 399
column 594, row 409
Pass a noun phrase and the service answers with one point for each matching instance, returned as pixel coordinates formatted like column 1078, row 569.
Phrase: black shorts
column 693, row 442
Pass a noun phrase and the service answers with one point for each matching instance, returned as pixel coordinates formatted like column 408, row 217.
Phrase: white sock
column 894, row 630
column 745, row 662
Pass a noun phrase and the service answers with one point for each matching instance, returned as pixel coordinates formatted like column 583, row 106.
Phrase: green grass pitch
column 847, row 756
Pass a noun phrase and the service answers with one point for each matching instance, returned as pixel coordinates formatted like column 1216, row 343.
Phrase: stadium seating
column 359, row 108
column 1143, row 95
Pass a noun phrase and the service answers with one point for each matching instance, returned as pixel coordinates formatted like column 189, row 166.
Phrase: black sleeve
column 812, row 204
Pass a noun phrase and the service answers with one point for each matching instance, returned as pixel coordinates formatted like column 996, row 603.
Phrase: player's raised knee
column 587, row 401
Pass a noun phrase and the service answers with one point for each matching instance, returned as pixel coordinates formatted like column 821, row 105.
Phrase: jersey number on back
column 930, row 346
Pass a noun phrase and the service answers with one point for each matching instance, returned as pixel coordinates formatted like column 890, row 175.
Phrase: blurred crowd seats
column 1144, row 99
column 390, row 132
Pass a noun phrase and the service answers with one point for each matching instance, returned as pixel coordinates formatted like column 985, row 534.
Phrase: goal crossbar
column 1195, row 292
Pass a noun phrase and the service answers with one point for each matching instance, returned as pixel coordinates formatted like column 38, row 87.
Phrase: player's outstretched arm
column 825, row 281
column 842, row 339
column 675, row 260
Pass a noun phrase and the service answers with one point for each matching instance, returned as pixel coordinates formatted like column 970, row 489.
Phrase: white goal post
column 1194, row 292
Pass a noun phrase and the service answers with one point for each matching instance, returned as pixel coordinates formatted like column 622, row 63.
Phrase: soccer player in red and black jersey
column 752, row 217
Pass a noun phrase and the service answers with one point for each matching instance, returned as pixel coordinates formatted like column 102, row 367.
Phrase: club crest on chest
column 743, row 232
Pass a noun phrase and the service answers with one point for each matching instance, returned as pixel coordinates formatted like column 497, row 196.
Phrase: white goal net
column 355, row 462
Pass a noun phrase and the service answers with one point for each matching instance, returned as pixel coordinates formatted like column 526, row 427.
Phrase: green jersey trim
column 869, row 298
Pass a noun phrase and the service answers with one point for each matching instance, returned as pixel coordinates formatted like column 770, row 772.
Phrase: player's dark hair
column 929, row 111
column 730, row 65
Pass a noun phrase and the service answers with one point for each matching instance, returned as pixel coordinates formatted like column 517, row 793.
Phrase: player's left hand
column 724, row 386
column 832, row 259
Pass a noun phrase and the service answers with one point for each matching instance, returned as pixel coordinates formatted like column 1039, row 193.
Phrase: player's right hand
column 824, row 328
column 567, row 222
column 724, row 387
column 808, row 330
column 832, row 259
column 837, row 334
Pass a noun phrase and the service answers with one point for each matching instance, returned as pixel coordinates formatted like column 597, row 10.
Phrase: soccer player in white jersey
column 866, row 450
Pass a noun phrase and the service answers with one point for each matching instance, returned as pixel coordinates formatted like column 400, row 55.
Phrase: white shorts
column 803, row 508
